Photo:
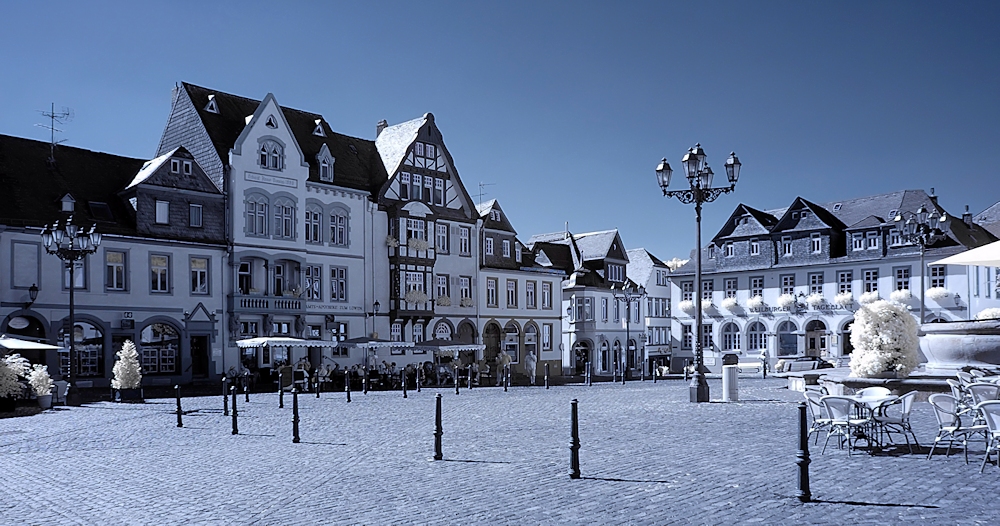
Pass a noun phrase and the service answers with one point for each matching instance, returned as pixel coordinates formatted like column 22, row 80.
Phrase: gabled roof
column 356, row 165
column 868, row 222
column 825, row 217
column 761, row 223
column 591, row 245
column 395, row 141
column 640, row 265
column 32, row 187
column 150, row 168
column 156, row 173
column 990, row 219
column 503, row 224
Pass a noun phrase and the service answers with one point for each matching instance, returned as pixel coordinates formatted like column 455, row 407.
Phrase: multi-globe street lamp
column 699, row 176
column 923, row 228
column 628, row 294
column 71, row 244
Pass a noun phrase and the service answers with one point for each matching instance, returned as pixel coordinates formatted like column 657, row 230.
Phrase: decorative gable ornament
column 212, row 106
column 318, row 130
column 271, row 122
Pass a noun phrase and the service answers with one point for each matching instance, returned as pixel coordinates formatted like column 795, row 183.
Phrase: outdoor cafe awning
column 15, row 344
column 986, row 255
column 448, row 347
column 278, row 341
column 371, row 343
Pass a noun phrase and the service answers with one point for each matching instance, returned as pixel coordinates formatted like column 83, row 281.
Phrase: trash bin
column 730, row 391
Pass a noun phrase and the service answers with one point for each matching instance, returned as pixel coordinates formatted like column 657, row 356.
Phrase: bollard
column 470, row 376
column 225, row 396
column 456, row 380
column 546, row 376
column 586, row 378
column 642, row 373
column 437, row 428
column 295, row 416
column 506, row 377
column 653, row 372
column 364, row 382
column 281, row 395
column 686, row 372
column 236, row 429
column 246, row 385
column 574, row 442
column 418, row 378
column 347, row 384
column 317, row 385
column 402, row 376
column 803, row 456
column 180, row 422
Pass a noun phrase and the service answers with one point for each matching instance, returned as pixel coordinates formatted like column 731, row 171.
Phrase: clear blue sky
column 564, row 108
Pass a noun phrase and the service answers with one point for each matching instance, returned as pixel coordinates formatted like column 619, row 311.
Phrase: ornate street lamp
column 628, row 295
column 699, row 176
column 924, row 229
column 71, row 244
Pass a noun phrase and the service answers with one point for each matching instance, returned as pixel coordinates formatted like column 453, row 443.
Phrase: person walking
column 530, row 362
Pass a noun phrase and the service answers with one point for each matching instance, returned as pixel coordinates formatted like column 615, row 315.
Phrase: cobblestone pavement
column 648, row 456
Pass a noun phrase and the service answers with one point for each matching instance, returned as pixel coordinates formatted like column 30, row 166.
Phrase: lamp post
column 628, row 295
column 71, row 244
column 374, row 315
column 923, row 228
column 32, row 295
column 699, row 176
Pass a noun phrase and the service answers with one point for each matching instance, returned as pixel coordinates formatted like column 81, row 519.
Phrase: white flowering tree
column 127, row 371
column 9, row 384
column 992, row 313
column 885, row 339
column 39, row 380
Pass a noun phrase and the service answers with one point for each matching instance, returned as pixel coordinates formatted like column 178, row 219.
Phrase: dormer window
column 318, row 130
column 616, row 273
column 837, row 207
column 187, row 167
column 212, row 106
column 175, row 166
column 68, row 203
column 495, row 215
column 795, row 215
column 324, row 171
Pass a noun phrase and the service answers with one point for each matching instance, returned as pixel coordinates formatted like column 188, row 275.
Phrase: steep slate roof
column 640, row 265
column 151, row 167
column 990, row 219
column 32, row 189
column 488, row 222
column 395, row 140
column 356, row 165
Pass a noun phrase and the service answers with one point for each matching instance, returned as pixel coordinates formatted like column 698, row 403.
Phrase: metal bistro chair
column 959, row 392
column 874, row 391
column 983, row 391
column 965, row 377
column 843, row 423
column 946, row 411
column 889, row 423
column 820, row 421
column 990, row 411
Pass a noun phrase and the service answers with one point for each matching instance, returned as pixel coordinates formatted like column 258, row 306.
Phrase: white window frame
column 159, row 282
column 530, row 300
column 489, row 246
column 464, row 247
column 506, row 248
column 196, row 217
column 162, row 212
column 338, row 284
column 199, row 276
column 546, row 295
column 491, row 292
column 115, row 274
column 512, row 293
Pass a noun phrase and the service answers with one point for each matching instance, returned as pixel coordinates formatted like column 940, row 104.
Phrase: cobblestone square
column 647, row 456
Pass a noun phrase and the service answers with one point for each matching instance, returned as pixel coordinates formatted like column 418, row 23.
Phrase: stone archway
column 466, row 333
column 816, row 338
column 491, row 339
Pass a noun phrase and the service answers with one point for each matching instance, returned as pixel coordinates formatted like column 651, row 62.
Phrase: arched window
column 339, row 226
column 284, row 219
column 756, row 337
column 160, row 349
column 442, row 331
column 581, row 355
column 256, row 224
column 731, row 337
column 314, row 230
column 531, row 340
column 512, row 342
column 89, row 341
column 272, row 154
column 263, row 156
column 788, row 341
column 605, row 356
column 275, row 163
column 848, row 347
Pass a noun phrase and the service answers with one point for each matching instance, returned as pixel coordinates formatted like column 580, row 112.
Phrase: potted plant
column 755, row 302
column 417, row 244
column 730, row 304
column 443, row 301
column 937, row 293
column 686, row 306
column 414, row 296
column 10, row 388
column 127, row 374
column 885, row 340
column 467, row 302
column 900, row 295
column 844, row 300
column 992, row 313
column 41, row 384
column 786, row 301
column 815, row 300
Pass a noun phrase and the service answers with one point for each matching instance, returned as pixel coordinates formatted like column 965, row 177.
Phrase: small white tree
column 9, row 385
column 40, row 381
column 128, row 373
column 885, row 338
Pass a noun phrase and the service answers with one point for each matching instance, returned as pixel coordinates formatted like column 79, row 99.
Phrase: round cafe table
column 873, row 404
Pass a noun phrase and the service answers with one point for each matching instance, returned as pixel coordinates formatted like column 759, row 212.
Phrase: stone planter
column 129, row 395
column 45, row 401
column 956, row 344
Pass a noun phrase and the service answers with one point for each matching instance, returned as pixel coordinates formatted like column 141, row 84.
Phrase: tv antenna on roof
column 481, row 185
column 61, row 117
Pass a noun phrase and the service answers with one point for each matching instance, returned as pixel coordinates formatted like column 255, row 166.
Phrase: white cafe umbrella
column 986, row 255
column 15, row 344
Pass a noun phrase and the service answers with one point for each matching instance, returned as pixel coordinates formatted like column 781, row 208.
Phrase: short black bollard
column 803, row 494
column 642, row 374
column 364, row 382
column 246, row 385
column 295, row 416
column 418, row 379
column 653, row 372
column 281, row 395
column 687, row 373
column 347, row 384
column 587, row 375
column 225, row 396
column 506, row 377
column 180, row 422
column 456, row 380
column 317, row 386
column 470, row 376
column 402, row 377
column 438, row 431
column 574, row 442
column 236, row 429
column 546, row 376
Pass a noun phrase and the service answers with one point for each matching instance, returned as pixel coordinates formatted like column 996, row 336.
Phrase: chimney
column 933, row 197
column 380, row 126
column 967, row 216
